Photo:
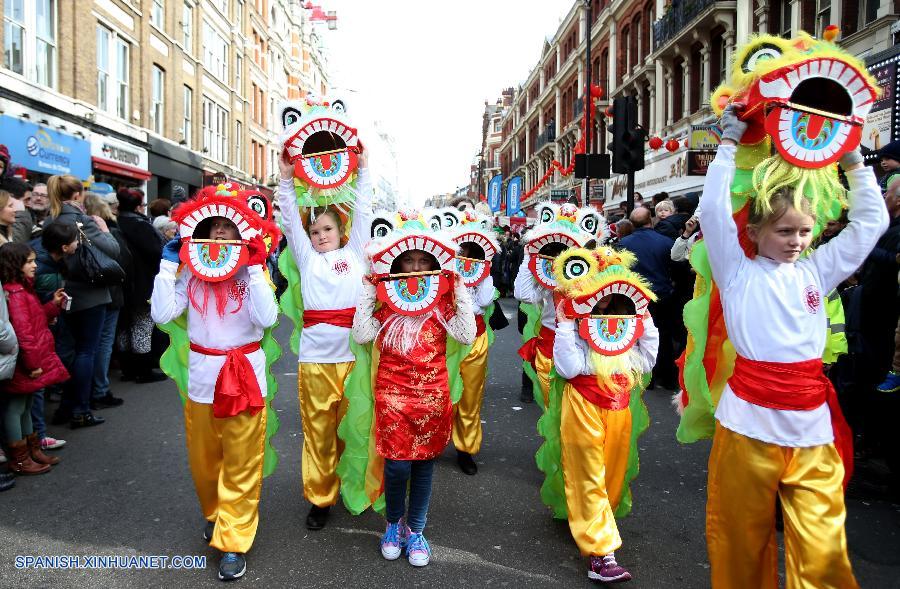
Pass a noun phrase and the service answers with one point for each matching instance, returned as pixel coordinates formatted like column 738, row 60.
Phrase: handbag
column 89, row 264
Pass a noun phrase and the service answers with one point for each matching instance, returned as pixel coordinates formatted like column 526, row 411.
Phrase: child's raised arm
column 362, row 214
column 462, row 325
column 840, row 257
column 365, row 326
column 719, row 231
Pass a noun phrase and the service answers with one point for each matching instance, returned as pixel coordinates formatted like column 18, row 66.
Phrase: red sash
column 480, row 327
column 336, row 317
column 588, row 387
column 794, row 386
column 237, row 389
column 543, row 342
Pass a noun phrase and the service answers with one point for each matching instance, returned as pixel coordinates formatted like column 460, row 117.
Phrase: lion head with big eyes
column 558, row 228
column 608, row 298
column 393, row 233
column 808, row 96
column 320, row 142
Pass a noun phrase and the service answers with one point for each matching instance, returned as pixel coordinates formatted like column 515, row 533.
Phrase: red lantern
column 655, row 143
column 687, row 144
column 596, row 92
column 672, row 145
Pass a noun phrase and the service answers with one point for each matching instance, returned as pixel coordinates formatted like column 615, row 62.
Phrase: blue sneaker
column 390, row 542
column 232, row 566
column 891, row 384
column 418, row 551
column 404, row 534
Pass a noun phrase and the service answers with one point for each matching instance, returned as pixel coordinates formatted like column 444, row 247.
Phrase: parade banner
column 494, row 193
column 513, row 194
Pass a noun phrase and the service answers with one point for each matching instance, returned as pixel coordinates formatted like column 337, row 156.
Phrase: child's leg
column 321, row 391
column 542, row 366
column 204, row 448
column 812, row 500
column 37, row 414
column 740, row 511
column 14, row 406
column 583, row 434
column 27, row 427
column 396, row 475
column 243, row 445
column 419, row 494
column 467, row 431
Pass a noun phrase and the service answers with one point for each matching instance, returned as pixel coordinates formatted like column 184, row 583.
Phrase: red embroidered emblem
column 238, row 290
column 812, row 299
column 340, row 267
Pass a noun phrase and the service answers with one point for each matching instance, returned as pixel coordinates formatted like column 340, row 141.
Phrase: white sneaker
column 417, row 550
column 390, row 542
column 49, row 443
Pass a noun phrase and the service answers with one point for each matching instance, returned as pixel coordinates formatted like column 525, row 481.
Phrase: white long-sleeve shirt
column 482, row 295
column 527, row 290
column 258, row 311
column 775, row 312
column 329, row 280
column 572, row 355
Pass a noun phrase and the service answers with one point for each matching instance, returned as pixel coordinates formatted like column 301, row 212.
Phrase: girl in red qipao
column 413, row 413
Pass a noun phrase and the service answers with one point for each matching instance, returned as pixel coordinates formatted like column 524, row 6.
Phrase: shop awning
column 120, row 169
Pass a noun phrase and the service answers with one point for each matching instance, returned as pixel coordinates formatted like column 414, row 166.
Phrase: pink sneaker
column 606, row 569
column 49, row 443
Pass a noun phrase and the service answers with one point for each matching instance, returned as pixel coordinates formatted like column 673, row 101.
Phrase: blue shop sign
column 41, row 149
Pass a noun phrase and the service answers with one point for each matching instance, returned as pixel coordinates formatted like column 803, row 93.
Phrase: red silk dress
column 413, row 413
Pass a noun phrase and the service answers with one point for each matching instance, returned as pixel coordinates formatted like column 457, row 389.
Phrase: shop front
column 676, row 174
column 171, row 166
column 118, row 163
column 44, row 151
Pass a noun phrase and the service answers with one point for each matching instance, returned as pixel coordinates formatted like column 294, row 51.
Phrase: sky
column 425, row 68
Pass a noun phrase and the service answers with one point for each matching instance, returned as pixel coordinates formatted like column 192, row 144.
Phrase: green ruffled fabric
column 355, row 430
column 174, row 363
column 531, row 330
column 457, row 352
column 549, row 455
column 292, row 299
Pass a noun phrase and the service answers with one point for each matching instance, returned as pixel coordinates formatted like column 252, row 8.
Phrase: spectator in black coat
column 673, row 225
column 136, row 332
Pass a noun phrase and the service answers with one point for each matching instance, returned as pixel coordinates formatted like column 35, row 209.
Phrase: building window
column 187, row 120
column 239, row 15
column 238, row 145
column 187, row 27
column 29, row 39
column 157, row 99
column 222, row 5
column 785, row 18
column 112, row 73
column 158, row 14
column 238, row 69
column 215, row 52
column 497, row 126
column 868, row 10
column 215, row 131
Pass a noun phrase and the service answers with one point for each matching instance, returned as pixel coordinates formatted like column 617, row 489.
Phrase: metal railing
column 548, row 136
column 680, row 14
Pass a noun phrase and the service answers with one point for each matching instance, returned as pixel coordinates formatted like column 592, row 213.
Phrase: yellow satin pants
column 467, row 431
column 320, row 388
column 595, row 446
column 542, row 366
column 745, row 475
column 226, row 459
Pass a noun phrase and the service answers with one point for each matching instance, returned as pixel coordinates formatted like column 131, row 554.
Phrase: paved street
column 124, row 489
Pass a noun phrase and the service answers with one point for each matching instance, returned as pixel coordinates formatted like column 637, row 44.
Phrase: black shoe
column 108, row 400
column 152, row 376
column 7, row 481
column 526, row 396
column 317, row 517
column 127, row 377
column 208, row 530
column 466, row 463
column 86, row 420
column 232, row 566
column 61, row 417
column 651, row 385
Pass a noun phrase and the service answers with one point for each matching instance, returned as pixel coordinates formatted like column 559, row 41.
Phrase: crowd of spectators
column 60, row 335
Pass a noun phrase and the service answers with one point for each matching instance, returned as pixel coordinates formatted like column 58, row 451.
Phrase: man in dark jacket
column 146, row 244
column 653, row 253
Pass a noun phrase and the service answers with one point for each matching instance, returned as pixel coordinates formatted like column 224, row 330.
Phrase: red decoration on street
column 672, row 145
column 655, row 143
column 687, row 143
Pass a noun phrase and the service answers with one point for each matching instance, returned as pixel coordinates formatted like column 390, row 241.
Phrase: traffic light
column 627, row 146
